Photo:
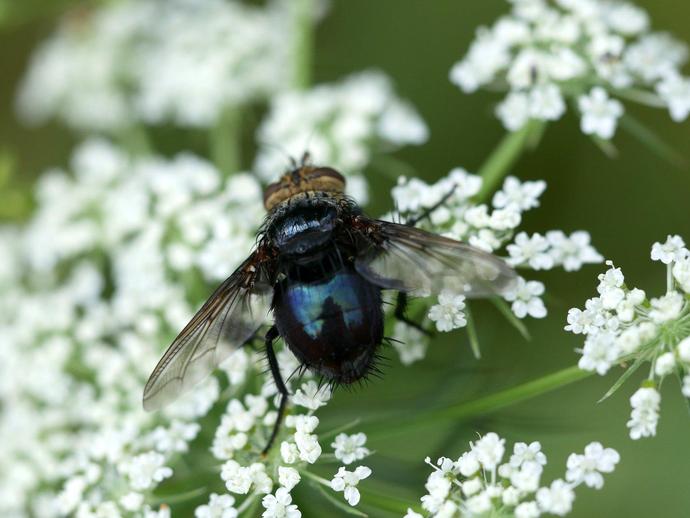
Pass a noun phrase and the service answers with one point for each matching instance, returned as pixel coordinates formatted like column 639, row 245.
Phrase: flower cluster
column 480, row 483
column 102, row 279
column 109, row 268
column 547, row 52
column 342, row 125
column 622, row 325
column 156, row 61
column 492, row 228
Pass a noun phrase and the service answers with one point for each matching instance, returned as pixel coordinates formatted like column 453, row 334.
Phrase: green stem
column 497, row 166
column 302, row 13
column 479, row 407
column 226, row 141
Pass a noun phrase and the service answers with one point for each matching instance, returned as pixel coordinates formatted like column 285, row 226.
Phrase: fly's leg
column 400, row 307
column 271, row 335
column 427, row 211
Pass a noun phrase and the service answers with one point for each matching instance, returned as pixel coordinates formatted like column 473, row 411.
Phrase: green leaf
column 518, row 324
column 472, row 333
column 624, row 377
column 650, row 139
column 338, row 503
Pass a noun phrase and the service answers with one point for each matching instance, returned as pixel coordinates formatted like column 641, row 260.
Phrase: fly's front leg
column 400, row 308
column 271, row 335
column 427, row 211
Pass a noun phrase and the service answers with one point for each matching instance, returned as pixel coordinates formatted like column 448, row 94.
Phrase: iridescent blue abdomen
column 333, row 325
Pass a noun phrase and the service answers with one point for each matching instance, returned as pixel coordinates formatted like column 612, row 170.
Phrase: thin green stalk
column 302, row 13
column 479, row 407
column 226, row 141
column 497, row 166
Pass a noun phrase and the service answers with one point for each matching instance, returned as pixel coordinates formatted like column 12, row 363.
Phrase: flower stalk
column 482, row 406
column 506, row 154
column 302, row 42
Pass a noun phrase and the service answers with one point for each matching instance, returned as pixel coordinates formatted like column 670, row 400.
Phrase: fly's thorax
column 303, row 225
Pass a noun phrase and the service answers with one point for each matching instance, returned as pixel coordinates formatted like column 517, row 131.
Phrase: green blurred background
column 626, row 204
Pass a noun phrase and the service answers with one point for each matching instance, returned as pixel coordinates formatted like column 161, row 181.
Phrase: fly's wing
column 226, row 321
column 412, row 260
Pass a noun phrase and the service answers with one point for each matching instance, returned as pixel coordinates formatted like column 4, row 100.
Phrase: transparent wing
column 226, row 321
column 412, row 260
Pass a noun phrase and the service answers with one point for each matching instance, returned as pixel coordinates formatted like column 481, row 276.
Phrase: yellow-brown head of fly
column 303, row 179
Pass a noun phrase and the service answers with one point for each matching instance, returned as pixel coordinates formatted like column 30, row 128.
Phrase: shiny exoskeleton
column 327, row 313
column 320, row 265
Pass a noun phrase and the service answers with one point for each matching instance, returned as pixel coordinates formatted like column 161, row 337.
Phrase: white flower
column 686, row 386
column 238, row 479
column 599, row 353
column 288, row 477
column 347, row 482
column 219, row 506
column 600, row 113
column 645, row 413
column 145, row 470
column 311, row 396
column 514, row 111
column 448, row 313
column 681, row 273
column 667, row 307
column 489, row 450
column 132, row 501
column 412, row 514
column 546, row 102
column 525, row 298
column 308, row 447
column 410, row 343
column 530, row 250
column 280, row 505
column 588, row 468
column 556, row 499
column 527, row 510
column 672, row 250
column 526, row 478
column 683, row 350
column 572, row 251
column 289, row 452
column 519, row 195
column 468, row 463
column 665, row 364
column 587, row 321
column 471, row 486
column 477, row 504
column 523, row 453
column 350, row 448
column 610, row 288
column 674, row 89
column 340, row 124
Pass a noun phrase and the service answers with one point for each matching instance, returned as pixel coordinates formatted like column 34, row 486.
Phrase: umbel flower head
column 482, row 481
column 492, row 227
column 122, row 247
column 343, row 125
column 157, row 61
column 547, row 53
column 623, row 325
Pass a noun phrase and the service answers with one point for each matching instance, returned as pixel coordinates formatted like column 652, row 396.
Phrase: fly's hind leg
column 400, row 313
column 271, row 335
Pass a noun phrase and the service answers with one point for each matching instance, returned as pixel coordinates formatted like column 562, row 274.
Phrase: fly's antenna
column 289, row 158
column 306, row 156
